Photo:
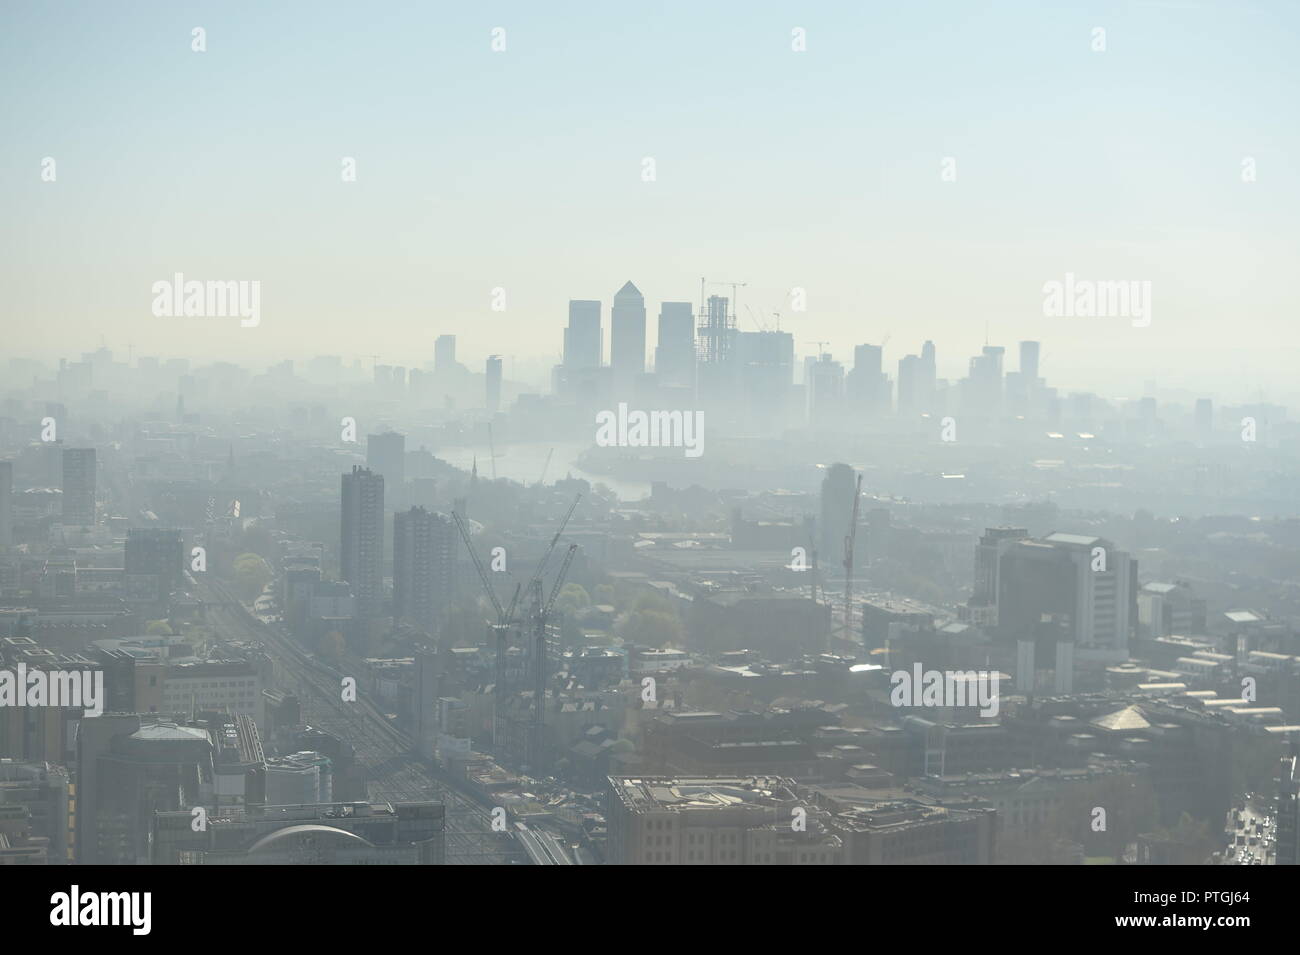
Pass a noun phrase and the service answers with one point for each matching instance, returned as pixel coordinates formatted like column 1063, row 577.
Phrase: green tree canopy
column 650, row 628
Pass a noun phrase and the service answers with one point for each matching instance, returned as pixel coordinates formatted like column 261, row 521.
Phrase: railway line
column 393, row 773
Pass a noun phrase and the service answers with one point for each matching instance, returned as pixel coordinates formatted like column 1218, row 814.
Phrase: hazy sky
column 522, row 169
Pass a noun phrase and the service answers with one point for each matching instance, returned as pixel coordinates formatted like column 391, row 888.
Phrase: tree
column 159, row 628
column 572, row 598
column 653, row 601
column 251, row 575
column 650, row 628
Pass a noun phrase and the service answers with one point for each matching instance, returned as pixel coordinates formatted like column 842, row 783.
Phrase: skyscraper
column 386, row 456
column 79, row 487
column 627, row 339
column 866, row 386
column 156, row 553
column 493, row 377
column 6, row 505
column 582, row 341
column 983, row 386
column 909, row 385
column 838, row 489
column 424, row 566
column 761, row 366
column 675, row 353
column 824, row 387
column 444, row 354
column 982, row 607
column 1029, row 360
column 361, row 540
column 1085, row 582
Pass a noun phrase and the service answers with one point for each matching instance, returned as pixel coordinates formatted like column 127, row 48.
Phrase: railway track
column 393, row 773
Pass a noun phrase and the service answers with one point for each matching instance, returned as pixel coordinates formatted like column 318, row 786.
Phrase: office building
column 361, row 540
column 982, row 608
column 35, row 821
column 983, row 384
column 761, row 370
column 675, row 353
column 582, row 338
column 128, row 767
column 837, row 493
column 444, row 354
column 79, row 487
column 1085, row 584
column 867, row 387
column 158, row 554
column 664, row 820
column 424, row 566
column 824, row 389
column 1029, row 352
column 627, row 339
column 232, row 685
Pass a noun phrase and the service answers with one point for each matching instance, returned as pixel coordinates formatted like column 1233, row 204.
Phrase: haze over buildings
column 654, row 441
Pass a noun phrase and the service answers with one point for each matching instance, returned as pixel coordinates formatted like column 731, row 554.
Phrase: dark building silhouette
column 424, row 566
column 627, row 339
column 157, row 553
column 361, row 540
column 79, row 487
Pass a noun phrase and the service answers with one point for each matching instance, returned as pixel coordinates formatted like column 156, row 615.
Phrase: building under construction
column 521, row 645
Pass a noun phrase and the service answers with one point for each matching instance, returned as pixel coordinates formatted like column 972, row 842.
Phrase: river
column 523, row 462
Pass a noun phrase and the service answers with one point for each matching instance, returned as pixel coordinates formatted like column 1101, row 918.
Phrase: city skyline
column 729, row 434
column 828, row 177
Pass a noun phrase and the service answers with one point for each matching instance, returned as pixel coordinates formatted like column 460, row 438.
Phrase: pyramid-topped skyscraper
column 627, row 339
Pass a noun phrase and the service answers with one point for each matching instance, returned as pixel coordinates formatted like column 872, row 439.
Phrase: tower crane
column 500, row 630
column 506, row 616
column 542, row 614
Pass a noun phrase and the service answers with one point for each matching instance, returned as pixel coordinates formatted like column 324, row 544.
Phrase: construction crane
column 756, row 318
column 850, row 540
column 819, row 347
column 478, row 565
column 500, row 631
column 542, row 614
column 541, row 567
column 734, row 295
column 506, row 615
column 541, row 481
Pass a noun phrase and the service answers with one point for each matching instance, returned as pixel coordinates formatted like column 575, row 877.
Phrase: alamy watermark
column 950, row 688
column 1088, row 298
column 75, row 908
column 212, row 299
column 653, row 429
column 72, row 688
